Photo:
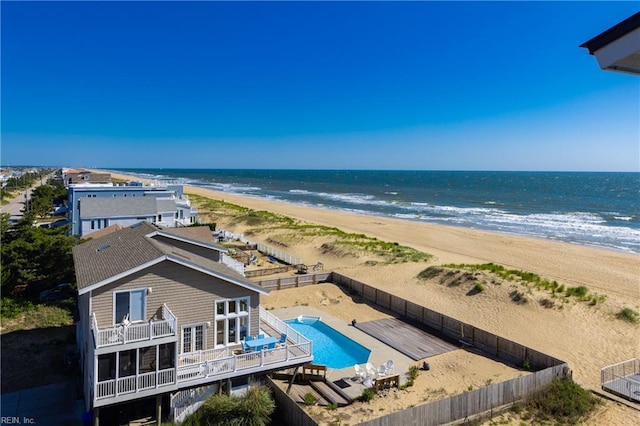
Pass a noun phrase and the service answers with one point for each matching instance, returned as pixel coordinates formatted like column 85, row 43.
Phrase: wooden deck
column 404, row 337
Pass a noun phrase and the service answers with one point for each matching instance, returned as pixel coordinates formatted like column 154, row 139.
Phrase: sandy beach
column 588, row 337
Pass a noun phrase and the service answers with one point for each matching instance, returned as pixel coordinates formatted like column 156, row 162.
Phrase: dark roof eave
column 612, row 34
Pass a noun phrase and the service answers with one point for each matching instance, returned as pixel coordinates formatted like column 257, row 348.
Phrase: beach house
column 163, row 323
column 96, row 206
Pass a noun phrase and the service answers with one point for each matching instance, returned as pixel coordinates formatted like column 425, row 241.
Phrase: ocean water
column 595, row 209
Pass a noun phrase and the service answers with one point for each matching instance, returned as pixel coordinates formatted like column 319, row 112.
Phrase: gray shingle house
column 162, row 322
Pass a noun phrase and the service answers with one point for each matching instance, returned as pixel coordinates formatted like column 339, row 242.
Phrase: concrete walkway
column 54, row 404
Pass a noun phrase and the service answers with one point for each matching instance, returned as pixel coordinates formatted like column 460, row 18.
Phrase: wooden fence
column 471, row 403
column 457, row 407
column 290, row 411
column 295, row 281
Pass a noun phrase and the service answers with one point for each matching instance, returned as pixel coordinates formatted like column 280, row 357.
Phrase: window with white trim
column 193, row 338
column 131, row 303
column 231, row 320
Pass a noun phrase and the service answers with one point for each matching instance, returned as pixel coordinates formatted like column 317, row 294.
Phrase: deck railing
column 135, row 383
column 281, row 326
column 136, row 332
column 278, row 357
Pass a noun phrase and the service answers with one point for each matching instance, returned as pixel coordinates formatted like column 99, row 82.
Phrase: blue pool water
column 330, row 347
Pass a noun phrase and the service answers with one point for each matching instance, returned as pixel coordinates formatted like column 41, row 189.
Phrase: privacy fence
column 544, row 367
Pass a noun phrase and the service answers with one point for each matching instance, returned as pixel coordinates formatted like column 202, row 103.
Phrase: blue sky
column 344, row 85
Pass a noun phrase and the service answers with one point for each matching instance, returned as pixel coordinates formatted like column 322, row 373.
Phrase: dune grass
column 530, row 279
column 261, row 221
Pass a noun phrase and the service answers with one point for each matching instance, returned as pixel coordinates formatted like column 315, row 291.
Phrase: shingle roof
column 100, row 207
column 116, row 253
column 127, row 250
column 200, row 234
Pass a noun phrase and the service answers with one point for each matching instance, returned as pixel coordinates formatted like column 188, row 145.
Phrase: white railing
column 281, row 326
column 202, row 356
column 136, row 332
column 186, row 402
column 269, row 358
column 232, row 263
column 135, row 383
column 279, row 254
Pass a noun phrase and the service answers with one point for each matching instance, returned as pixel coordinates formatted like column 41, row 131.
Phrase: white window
column 131, row 303
column 193, row 338
column 231, row 321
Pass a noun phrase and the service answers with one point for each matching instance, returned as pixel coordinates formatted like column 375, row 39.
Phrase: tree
column 35, row 254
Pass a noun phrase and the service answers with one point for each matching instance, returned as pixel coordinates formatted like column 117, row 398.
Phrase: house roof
column 105, row 231
column 100, row 207
column 618, row 48
column 108, row 258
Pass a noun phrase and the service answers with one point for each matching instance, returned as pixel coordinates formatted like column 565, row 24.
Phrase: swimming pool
column 330, row 347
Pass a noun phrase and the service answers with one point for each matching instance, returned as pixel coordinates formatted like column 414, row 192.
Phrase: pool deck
column 414, row 342
column 380, row 352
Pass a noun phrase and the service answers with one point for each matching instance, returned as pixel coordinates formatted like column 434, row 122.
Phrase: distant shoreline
column 574, row 264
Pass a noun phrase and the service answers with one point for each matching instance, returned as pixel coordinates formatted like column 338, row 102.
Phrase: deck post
column 293, row 377
column 158, row 410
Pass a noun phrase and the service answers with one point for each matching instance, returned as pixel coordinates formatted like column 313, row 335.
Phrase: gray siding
column 189, row 294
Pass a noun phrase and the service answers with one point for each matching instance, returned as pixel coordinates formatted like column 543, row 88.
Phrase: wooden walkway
column 626, row 387
column 404, row 337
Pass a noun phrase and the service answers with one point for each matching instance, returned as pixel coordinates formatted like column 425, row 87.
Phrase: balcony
column 135, row 332
column 206, row 366
column 135, row 384
column 217, row 364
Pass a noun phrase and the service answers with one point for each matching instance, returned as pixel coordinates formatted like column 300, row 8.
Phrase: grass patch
column 562, row 401
column 24, row 315
column 629, row 315
column 478, row 287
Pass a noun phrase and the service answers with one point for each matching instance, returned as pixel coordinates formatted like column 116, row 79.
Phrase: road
column 17, row 204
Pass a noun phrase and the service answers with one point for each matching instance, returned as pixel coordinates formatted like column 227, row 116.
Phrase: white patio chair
column 360, row 374
column 389, row 367
column 368, row 382
column 382, row 370
column 371, row 370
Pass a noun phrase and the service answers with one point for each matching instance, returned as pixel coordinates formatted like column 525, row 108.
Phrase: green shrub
column 478, row 287
column 562, row 401
column 579, row 292
column 309, row 399
column 332, row 406
column 628, row 315
column 367, row 395
column 254, row 408
column 11, row 308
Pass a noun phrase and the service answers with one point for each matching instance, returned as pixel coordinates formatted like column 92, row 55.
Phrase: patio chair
column 283, row 340
column 247, row 337
column 260, row 336
column 389, row 367
column 382, row 370
column 371, row 370
column 271, row 345
column 368, row 382
column 360, row 374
